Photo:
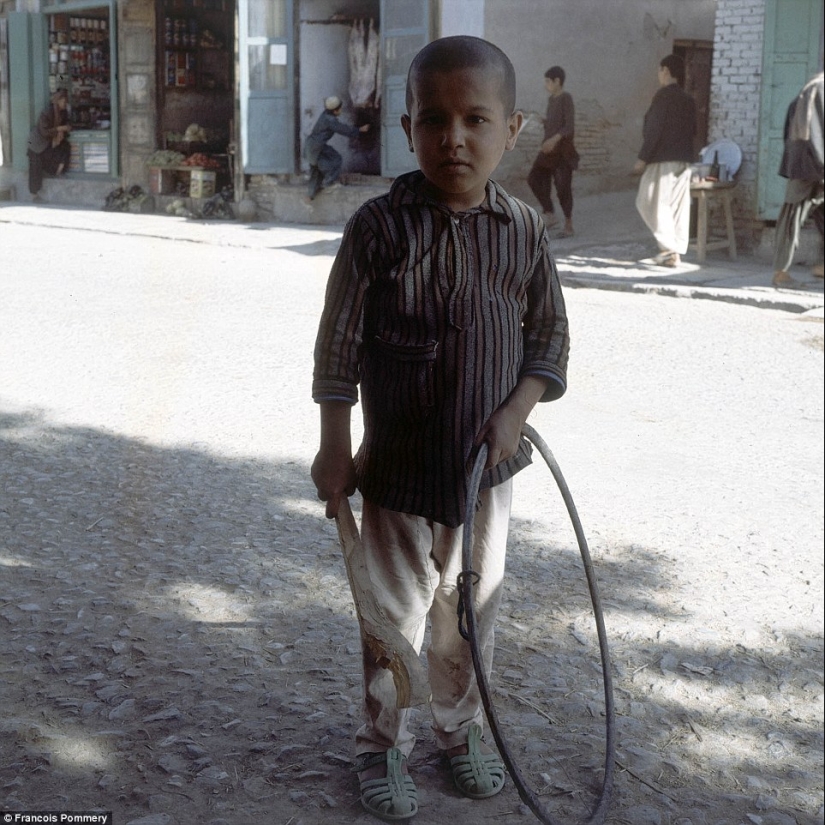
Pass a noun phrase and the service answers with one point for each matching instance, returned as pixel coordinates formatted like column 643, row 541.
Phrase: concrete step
column 287, row 200
column 78, row 191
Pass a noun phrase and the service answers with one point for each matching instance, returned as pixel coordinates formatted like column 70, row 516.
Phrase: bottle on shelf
column 714, row 168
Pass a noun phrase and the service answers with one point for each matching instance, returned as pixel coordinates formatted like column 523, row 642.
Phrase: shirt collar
column 408, row 190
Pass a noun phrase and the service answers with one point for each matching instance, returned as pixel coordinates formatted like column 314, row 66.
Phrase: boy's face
column 459, row 130
column 553, row 85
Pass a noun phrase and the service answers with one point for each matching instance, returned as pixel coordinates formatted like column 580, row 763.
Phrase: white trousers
column 413, row 565
column 663, row 201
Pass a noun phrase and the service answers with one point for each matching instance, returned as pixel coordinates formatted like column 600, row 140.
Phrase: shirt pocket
column 401, row 378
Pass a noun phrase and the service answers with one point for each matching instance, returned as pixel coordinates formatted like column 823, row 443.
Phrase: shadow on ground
column 177, row 638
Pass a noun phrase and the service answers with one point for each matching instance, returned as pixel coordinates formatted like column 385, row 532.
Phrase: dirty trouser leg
column 412, row 562
column 456, row 701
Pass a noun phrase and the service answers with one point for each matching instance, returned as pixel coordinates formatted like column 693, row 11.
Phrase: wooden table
column 706, row 192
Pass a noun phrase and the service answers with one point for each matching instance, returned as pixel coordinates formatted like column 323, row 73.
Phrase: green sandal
column 477, row 775
column 394, row 797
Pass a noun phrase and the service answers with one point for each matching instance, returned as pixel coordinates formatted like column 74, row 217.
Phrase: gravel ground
column 177, row 641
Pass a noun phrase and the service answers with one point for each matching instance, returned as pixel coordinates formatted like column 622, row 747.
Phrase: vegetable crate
column 202, row 184
column 161, row 180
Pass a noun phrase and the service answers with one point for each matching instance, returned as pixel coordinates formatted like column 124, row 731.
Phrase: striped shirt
column 437, row 315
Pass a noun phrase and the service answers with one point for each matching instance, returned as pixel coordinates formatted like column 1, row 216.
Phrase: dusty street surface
column 177, row 642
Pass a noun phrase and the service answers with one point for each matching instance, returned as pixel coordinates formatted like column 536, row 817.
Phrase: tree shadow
column 176, row 629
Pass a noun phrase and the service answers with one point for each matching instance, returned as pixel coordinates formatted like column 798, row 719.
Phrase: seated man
column 49, row 150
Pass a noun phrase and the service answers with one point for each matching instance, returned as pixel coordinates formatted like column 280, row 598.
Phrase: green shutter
column 28, row 82
column 793, row 33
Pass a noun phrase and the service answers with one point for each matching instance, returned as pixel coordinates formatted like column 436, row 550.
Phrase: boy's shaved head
column 464, row 52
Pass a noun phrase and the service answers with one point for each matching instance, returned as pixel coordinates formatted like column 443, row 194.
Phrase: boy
column 445, row 305
column 558, row 157
column 325, row 162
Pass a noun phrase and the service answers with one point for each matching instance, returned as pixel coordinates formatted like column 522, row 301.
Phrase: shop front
column 165, row 91
column 195, row 82
column 72, row 47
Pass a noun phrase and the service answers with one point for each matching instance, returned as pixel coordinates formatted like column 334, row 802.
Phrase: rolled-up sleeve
column 340, row 332
column 545, row 326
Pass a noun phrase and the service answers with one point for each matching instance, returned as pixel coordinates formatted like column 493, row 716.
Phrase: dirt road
column 177, row 643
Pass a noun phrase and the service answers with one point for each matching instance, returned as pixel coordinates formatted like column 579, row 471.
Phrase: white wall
column 610, row 51
column 462, row 17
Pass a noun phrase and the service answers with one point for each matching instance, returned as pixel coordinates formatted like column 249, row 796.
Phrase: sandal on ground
column 781, row 280
column 393, row 797
column 477, row 775
column 667, row 258
column 550, row 220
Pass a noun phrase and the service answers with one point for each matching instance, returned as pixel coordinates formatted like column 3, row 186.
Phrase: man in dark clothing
column 802, row 165
column 558, row 157
column 324, row 161
column 48, row 147
column 664, row 163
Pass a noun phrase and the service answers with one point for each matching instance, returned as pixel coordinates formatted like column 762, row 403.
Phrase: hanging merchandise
column 363, row 50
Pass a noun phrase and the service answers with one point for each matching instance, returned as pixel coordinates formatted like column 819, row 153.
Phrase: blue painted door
column 29, row 85
column 792, row 54
column 267, row 68
column 405, row 28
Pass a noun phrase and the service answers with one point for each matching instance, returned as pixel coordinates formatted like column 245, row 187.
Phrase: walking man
column 664, row 163
column 557, row 157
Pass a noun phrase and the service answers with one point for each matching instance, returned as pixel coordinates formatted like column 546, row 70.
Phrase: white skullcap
column 332, row 103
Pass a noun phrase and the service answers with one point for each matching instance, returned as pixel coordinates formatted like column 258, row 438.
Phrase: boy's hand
column 550, row 144
column 333, row 470
column 502, row 431
column 334, row 475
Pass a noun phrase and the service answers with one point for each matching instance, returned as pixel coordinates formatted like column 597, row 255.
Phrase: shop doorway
column 195, row 72
column 698, row 57
column 80, row 62
column 339, row 55
column 75, row 50
column 294, row 53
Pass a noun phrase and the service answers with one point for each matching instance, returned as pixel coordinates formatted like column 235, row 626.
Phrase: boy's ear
column 406, row 125
column 514, row 125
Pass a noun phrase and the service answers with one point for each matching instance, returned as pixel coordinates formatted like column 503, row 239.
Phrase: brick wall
column 736, row 86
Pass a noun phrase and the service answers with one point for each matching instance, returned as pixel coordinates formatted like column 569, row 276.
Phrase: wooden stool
column 705, row 192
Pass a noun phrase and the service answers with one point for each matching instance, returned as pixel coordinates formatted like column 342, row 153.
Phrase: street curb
column 729, row 296
column 272, row 236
